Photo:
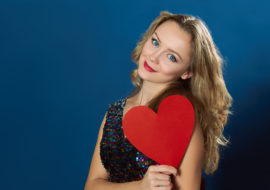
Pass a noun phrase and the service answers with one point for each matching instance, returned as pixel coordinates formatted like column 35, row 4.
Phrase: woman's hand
column 158, row 177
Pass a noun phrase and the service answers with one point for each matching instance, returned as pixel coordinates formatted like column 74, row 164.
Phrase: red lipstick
column 147, row 67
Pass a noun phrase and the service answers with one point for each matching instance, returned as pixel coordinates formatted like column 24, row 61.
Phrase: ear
column 186, row 75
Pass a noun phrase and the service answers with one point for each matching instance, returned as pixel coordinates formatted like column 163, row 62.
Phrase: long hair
column 206, row 88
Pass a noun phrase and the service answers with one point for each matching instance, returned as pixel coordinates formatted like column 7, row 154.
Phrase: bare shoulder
column 97, row 170
column 189, row 171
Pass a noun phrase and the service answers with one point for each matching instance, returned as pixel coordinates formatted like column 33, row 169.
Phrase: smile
column 147, row 67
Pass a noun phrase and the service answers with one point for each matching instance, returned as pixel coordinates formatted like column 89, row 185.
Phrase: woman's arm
column 98, row 176
column 189, row 171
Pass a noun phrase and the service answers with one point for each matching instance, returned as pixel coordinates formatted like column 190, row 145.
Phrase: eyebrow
column 170, row 48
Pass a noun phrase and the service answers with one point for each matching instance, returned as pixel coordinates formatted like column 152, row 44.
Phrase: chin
column 144, row 74
column 154, row 79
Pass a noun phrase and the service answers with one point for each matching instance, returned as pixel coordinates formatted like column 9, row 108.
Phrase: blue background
column 63, row 61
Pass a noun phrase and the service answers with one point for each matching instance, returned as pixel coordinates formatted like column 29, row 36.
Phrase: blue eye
column 172, row 58
column 155, row 42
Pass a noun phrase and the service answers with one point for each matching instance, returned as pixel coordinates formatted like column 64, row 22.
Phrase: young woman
column 176, row 55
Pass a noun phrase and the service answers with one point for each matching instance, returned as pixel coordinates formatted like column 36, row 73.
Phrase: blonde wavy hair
column 206, row 88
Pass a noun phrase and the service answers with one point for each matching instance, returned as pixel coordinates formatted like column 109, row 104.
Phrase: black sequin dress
column 119, row 157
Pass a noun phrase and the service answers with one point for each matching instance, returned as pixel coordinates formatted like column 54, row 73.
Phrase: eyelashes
column 156, row 44
column 154, row 40
column 173, row 58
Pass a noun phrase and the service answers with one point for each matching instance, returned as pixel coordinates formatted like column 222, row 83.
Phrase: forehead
column 174, row 37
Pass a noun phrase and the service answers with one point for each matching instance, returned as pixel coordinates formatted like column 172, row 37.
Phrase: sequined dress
column 119, row 157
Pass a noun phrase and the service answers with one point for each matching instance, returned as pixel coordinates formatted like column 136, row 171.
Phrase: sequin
column 119, row 157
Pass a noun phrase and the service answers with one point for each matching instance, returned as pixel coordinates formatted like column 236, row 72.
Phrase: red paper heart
column 164, row 136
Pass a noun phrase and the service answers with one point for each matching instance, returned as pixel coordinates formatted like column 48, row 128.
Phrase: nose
column 154, row 56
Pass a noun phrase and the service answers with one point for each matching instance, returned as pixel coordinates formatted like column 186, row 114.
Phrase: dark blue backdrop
column 63, row 61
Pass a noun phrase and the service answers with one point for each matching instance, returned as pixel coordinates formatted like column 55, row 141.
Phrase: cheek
column 167, row 69
column 170, row 69
column 147, row 49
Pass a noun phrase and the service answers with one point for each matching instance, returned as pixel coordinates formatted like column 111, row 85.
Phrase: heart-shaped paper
column 162, row 136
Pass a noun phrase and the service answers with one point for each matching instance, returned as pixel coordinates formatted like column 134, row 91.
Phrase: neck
column 148, row 91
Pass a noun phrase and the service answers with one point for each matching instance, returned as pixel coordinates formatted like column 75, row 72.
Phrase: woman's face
column 166, row 55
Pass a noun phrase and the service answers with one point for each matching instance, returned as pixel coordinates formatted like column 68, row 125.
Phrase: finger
column 166, row 172
column 161, row 176
column 163, row 168
column 158, row 183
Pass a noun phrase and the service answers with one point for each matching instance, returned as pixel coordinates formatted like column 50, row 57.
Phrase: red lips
column 147, row 67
